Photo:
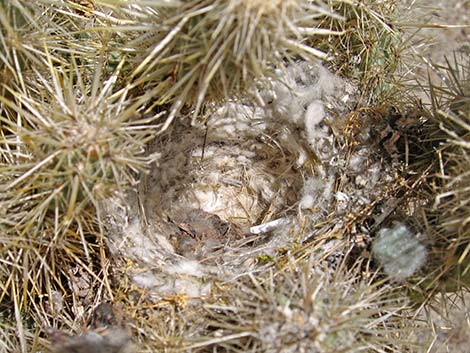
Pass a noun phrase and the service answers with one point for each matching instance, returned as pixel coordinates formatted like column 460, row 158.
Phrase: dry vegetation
column 139, row 143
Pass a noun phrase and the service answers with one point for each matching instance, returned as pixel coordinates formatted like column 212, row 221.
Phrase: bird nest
column 249, row 182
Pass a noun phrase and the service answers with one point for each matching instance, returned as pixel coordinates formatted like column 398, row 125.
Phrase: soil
column 439, row 28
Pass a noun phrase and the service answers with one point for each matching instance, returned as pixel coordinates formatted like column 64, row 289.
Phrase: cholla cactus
column 77, row 109
column 368, row 52
column 196, row 51
column 72, row 144
column 308, row 308
column 450, row 117
column 398, row 251
column 452, row 114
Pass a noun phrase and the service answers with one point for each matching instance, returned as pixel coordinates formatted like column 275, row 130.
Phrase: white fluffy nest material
column 281, row 166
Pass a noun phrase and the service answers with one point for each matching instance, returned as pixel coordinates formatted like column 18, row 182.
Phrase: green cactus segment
column 398, row 251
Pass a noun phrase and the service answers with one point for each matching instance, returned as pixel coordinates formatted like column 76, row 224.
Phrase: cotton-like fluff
column 297, row 87
column 317, row 192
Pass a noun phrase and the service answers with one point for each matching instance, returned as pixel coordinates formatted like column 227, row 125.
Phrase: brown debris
column 196, row 232
column 107, row 335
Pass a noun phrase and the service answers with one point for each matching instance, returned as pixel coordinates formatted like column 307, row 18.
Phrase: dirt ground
column 446, row 40
column 439, row 28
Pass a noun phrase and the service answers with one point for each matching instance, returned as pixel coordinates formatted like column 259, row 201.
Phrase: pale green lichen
column 399, row 251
